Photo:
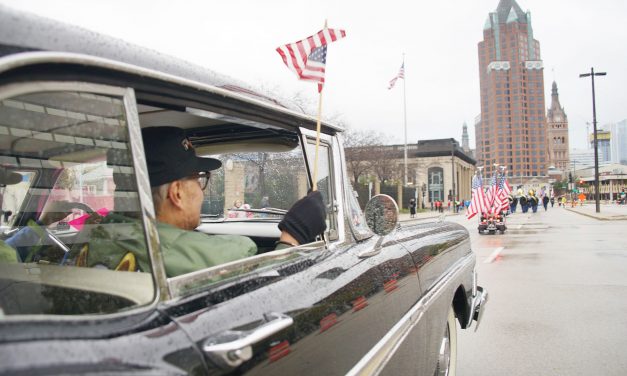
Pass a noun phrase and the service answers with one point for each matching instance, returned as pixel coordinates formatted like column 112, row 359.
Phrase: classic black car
column 356, row 301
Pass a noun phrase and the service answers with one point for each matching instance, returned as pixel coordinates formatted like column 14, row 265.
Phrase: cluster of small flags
column 491, row 201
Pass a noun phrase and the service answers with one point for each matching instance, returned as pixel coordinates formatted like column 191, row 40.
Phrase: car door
column 438, row 249
column 57, row 317
column 308, row 310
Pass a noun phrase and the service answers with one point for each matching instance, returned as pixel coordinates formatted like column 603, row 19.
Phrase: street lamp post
column 596, row 148
column 453, row 192
column 574, row 179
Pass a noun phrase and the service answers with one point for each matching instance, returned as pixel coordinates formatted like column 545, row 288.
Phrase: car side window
column 75, row 242
column 324, row 183
column 12, row 195
column 357, row 219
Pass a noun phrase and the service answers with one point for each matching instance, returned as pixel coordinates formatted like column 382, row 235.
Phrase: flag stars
column 319, row 54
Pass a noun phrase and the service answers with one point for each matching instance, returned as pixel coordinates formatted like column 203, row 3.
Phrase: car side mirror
column 381, row 214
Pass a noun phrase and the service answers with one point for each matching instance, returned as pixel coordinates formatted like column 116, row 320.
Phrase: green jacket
column 187, row 251
column 183, row 251
column 7, row 253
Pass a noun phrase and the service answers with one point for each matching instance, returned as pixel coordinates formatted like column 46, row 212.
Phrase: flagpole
column 315, row 172
column 405, row 120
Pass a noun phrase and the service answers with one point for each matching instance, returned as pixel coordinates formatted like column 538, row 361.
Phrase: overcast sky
column 439, row 39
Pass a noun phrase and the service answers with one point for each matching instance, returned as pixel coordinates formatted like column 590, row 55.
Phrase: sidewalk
column 404, row 217
column 609, row 212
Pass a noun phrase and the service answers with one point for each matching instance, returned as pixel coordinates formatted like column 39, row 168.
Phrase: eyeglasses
column 202, row 178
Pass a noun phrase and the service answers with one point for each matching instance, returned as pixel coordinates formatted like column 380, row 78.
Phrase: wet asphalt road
column 558, row 297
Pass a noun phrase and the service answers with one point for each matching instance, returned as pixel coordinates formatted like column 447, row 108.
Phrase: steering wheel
column 56, row 211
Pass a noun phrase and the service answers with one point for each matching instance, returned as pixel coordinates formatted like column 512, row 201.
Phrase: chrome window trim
column 22, row 59
column 127, row 94
column 179, row 284
column 336, row 168
column 347, row 189
column 375, row 360
column 145, row 198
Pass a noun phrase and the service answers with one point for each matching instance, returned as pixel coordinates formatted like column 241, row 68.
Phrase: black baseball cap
column 170, row 156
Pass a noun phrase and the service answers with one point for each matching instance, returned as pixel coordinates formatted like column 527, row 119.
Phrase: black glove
column 306, row 219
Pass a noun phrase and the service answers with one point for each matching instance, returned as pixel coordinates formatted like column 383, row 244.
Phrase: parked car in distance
column 371, row 296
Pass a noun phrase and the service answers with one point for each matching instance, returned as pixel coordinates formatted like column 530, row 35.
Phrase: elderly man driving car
column 178, row 177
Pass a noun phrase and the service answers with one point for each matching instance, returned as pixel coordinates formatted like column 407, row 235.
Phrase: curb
column 600, row 218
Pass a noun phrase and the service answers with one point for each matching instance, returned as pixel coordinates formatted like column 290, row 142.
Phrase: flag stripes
column 493, row 200
column 401, row 74
column 307, row 57
column 478, row 204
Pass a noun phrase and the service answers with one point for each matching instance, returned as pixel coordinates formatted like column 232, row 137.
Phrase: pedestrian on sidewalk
column 412, row 208
column 552, row 200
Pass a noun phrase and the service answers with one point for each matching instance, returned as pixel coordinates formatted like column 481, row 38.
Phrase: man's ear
column 175, row 193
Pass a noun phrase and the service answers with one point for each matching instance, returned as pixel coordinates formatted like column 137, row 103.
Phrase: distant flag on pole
column 307, row 58
column 401, row 74
column 478, row 203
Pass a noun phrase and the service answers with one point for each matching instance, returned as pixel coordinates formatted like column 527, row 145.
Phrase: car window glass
column 12, row 197
column 259, row 181
column 324, row 182
column 356, row 218
column 75, row 231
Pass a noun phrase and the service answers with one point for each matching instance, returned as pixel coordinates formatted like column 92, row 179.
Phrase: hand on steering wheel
column 55, row 211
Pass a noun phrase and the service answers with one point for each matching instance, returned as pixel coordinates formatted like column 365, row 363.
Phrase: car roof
column 22, row 32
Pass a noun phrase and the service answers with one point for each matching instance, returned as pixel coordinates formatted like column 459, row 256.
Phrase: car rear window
column 72, row 239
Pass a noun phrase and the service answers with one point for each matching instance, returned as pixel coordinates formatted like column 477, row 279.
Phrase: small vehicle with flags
column 491, row 223
column 492, row 202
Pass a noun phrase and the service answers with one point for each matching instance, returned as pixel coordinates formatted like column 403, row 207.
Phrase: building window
column 436, row 184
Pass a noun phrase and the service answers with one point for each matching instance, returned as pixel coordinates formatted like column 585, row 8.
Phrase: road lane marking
column 493, row 255
column 519, row 227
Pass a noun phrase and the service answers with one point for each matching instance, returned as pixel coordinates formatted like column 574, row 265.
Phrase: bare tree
column 385, row 163
column 361, row 151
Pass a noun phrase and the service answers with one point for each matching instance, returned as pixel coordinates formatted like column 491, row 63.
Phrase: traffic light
column 581, row 181
column 450, row 194
column 570, row 177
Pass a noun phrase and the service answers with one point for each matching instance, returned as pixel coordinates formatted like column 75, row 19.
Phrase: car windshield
column 255, row 185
